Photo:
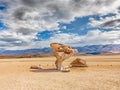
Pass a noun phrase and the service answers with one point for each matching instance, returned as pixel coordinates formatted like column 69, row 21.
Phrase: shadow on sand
column 44, row 70
column 74, row 69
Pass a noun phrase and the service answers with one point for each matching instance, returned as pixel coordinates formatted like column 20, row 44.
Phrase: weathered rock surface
column 78, row 62
column 62, row 52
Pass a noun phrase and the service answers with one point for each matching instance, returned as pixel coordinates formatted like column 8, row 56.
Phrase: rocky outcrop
column 78, row 62
column 62, row 52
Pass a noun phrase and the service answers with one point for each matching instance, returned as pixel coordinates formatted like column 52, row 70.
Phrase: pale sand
column 102, row 73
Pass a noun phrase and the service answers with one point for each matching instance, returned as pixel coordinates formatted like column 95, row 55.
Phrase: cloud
column 95, row 37
column 112, row 22
column 12, row 39
column 20, row 13
column 40, row 13
column 99, row 37
column 25, row 18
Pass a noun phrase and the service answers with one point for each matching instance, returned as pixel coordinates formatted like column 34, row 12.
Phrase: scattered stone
column 65, row 69
column 36, row 67
column 78, row 62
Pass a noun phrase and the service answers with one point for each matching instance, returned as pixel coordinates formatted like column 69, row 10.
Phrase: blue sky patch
column 3, row 26
column 3, row 6
column 44, row 35
column 108, row 15
column 79, row 25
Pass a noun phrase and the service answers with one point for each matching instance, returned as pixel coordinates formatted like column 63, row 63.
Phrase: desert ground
column 102, row 73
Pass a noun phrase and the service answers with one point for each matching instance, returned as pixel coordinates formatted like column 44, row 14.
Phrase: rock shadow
column 44, row 70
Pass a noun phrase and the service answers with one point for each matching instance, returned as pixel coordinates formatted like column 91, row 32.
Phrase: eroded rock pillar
column 62, row 52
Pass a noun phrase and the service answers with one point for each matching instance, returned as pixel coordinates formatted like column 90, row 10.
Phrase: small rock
column 35, row 67
column 65, row 69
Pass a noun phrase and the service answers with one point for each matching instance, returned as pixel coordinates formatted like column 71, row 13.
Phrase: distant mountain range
column 26, row 51
column 99, row 49
column 92, row 49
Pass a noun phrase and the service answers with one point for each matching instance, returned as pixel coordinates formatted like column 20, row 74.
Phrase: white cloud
column 95, row 37
column 99, row 37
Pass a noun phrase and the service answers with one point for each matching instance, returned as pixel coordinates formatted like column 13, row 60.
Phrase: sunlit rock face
column 62, row 52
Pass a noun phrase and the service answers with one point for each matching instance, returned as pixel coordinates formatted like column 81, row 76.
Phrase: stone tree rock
column 62, row 52
column 78, row 62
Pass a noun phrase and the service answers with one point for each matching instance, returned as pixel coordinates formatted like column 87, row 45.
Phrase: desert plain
column 102, row 73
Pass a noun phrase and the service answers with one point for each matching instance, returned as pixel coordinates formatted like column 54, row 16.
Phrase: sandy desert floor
column 102, row 73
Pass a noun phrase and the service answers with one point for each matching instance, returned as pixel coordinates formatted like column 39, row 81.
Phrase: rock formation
column 78, row 63
column 62, row 52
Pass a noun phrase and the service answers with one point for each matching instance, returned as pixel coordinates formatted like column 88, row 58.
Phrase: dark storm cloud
column 9, row 39
column 56, row 7
column 111, row 23
column 34, row 3
column 118, row 9
column 25, row 31
column 58, row 11
column 19, row 13
column 103, row 3
column 77, row 4
column 29, row 2
column 88, row 4
column 79, row 1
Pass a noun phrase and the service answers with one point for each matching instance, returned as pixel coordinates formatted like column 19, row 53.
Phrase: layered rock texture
column 62, row 52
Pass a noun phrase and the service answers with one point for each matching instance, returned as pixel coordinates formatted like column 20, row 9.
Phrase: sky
column 28, row 24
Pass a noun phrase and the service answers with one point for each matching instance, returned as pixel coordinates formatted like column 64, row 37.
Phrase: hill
column 92, row 49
